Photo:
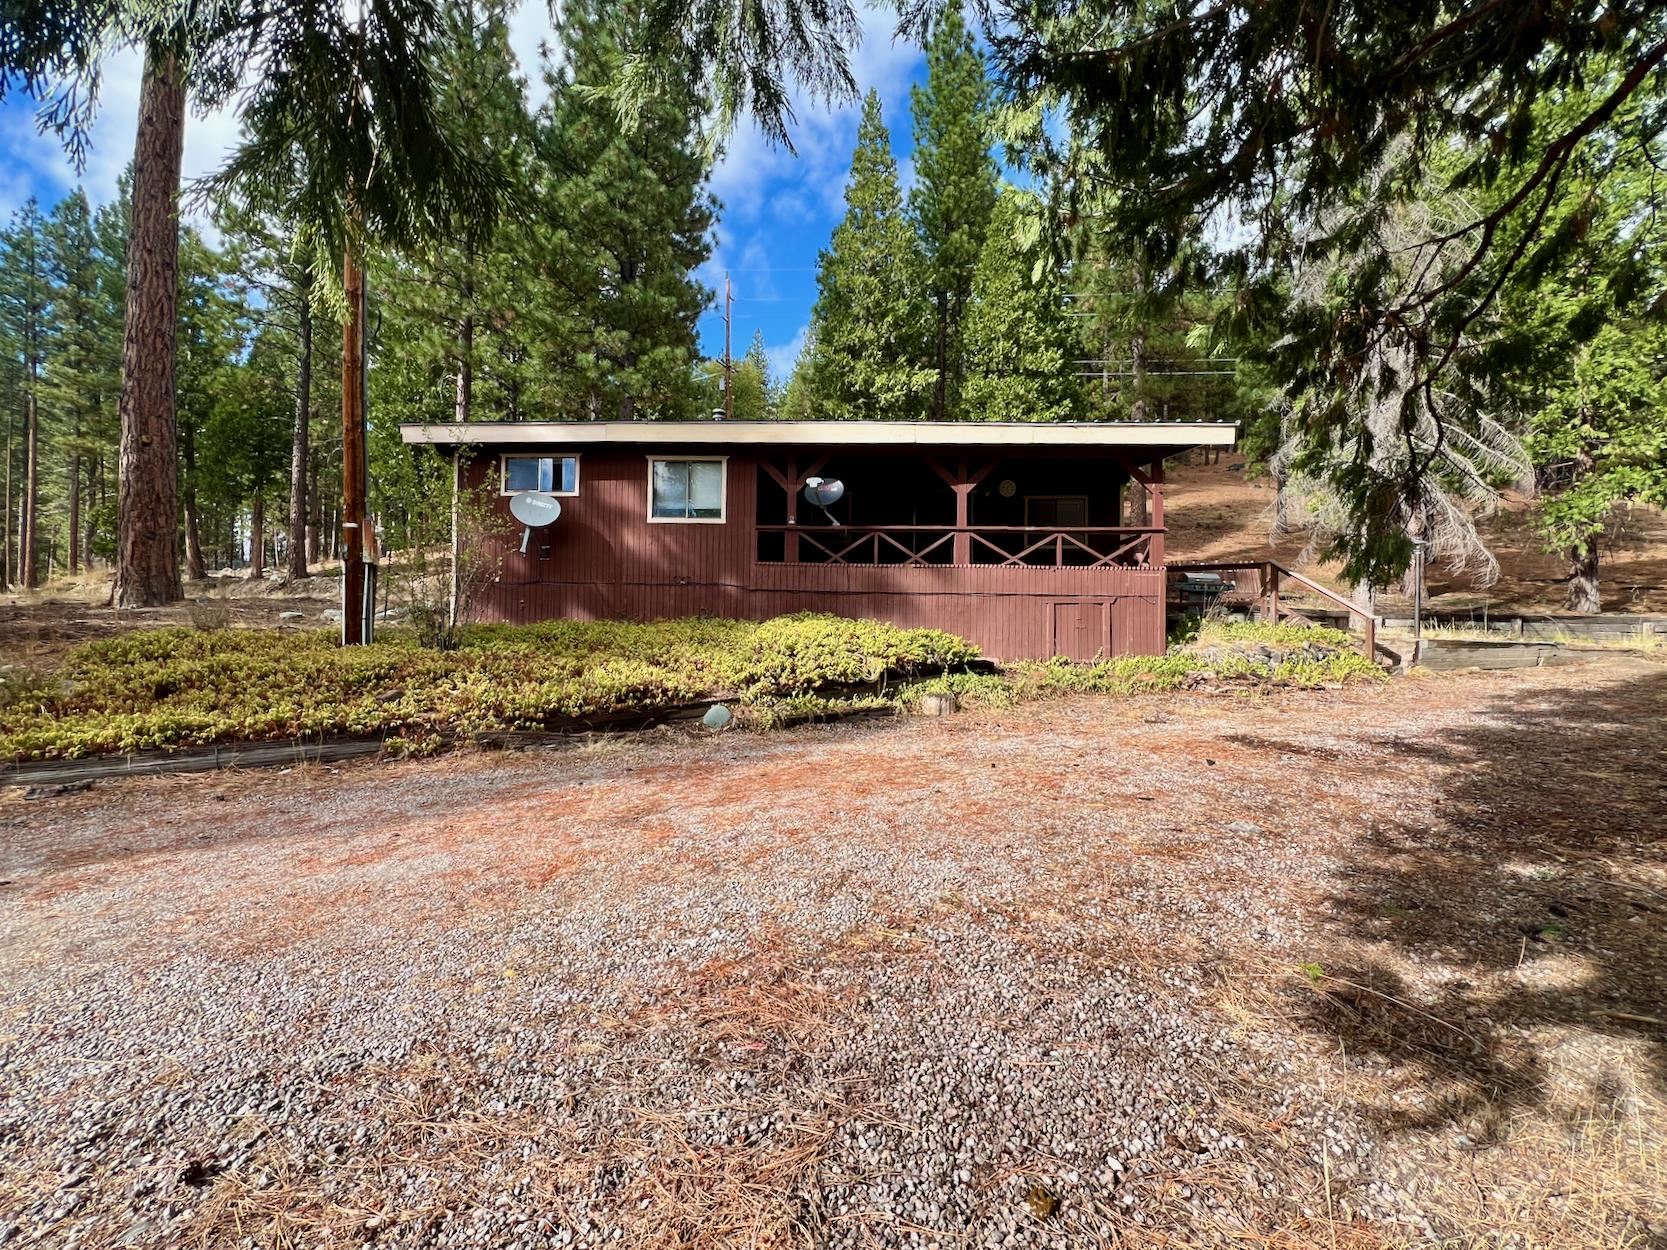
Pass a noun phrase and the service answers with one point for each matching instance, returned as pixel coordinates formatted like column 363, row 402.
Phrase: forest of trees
column 581, row 304
column 1402, row 326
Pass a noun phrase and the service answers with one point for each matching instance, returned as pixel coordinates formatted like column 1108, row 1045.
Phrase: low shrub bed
column 172, row 688
column 1138, row 674
column 181, row 687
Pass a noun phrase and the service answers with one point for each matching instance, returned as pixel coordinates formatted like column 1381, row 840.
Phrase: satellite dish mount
column 534, row 509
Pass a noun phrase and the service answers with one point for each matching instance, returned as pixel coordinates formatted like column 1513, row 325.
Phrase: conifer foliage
column 870, row 356
column 954, row 192
column 1019, row 338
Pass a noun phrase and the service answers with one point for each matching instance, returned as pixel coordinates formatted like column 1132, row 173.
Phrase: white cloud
column 783, row 358
column 823, row 135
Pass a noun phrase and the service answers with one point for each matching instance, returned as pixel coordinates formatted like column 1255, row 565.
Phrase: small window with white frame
column 554, row 475
column 686, row 489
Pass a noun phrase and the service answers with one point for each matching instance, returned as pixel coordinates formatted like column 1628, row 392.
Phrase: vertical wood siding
column 604, row 560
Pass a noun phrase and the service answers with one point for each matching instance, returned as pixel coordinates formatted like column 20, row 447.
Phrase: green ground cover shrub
column 183, row 687
column 172, row 688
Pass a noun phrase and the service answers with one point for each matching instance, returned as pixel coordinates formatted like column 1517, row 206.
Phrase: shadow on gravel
column 1536, row 886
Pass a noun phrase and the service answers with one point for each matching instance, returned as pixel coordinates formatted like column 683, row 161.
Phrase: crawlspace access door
column 1081, row 628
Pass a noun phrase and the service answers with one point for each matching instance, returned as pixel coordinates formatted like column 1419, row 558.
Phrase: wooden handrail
column 974, row 529
column 837, row 542
column 1272, row 571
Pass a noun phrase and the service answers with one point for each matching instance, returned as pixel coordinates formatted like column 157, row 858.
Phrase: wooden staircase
column 1272, row 592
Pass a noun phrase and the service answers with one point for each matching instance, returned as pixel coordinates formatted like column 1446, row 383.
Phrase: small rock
column 718, row 716
column 53, row 792
column 938, row 704
column 1042, row 1201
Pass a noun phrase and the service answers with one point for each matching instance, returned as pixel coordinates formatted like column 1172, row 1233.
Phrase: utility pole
column 355, row 468
column 729, row 360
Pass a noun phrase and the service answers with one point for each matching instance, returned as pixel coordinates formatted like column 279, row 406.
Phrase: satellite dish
column 823, row 491
column 534, row 509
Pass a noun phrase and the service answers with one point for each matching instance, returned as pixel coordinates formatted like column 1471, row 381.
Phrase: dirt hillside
column 1218, row 512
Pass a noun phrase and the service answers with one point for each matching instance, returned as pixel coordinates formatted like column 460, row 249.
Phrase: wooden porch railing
column 988, row 546
column 1272, row 575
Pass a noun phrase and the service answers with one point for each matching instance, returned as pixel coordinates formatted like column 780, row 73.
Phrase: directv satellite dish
column 534, row 509
column 822, row 491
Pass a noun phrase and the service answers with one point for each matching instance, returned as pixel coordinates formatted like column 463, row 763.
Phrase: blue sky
column 779, row 207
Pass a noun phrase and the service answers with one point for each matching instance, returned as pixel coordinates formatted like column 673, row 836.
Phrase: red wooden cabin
column 1030, row 539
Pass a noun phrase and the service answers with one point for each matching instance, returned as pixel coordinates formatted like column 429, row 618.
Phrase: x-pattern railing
column 845, row 544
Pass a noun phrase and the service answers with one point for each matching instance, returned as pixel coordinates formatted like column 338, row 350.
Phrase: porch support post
column 1155, row 557
column 963, row 482
column 790, row 540
column 962, row 554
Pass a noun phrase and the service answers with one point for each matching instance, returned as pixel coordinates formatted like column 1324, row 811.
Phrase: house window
column 686, row 490
column 555, row 475
column 1054, row 512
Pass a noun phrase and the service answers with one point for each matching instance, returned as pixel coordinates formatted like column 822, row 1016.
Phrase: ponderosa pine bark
column 257, row 537
column 299, row 456
column 147, row 500
column 196, row 568
column 1584, row 595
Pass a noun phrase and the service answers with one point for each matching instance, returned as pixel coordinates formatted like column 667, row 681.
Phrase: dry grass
column 1503, row 1151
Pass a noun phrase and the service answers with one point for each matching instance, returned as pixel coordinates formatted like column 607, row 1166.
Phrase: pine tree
column 1018, row 335
column 25, row 307
column 243, row 444
column 954, row 192
column 798, row 396
column 103, row 437
column 869, row 321
column 749, row 384
column 75, row 380
column 1583, row 354
column 624, row 222
column 757, row 361
column 212, row 337
column 457, row 306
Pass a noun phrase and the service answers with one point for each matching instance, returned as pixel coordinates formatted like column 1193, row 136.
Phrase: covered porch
column 988, row 507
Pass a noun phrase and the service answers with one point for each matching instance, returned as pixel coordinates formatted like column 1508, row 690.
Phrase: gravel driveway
column 1354, row 968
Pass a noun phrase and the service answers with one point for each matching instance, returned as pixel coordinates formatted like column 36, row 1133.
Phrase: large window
column 555, row 475
column 1056, row 511
column 685, row 490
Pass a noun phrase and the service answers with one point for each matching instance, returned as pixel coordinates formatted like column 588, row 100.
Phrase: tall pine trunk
column 465, row 368
column 30, row 556
column 315, row 518
column 466, row 342
column 147, row 500
column 95, row 487
column 257, row 537
column 6, row 510
column 195, row 568
column 299, row 458
column 74, row 555
column 1583, row 576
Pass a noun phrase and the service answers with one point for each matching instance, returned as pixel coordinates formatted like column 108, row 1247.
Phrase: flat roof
column 1166, row 434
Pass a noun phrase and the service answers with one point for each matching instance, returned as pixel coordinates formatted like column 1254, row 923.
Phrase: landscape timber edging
column 332, row 750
